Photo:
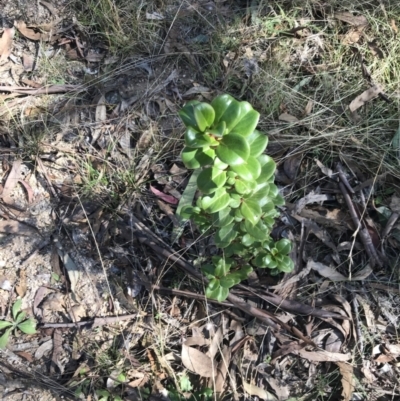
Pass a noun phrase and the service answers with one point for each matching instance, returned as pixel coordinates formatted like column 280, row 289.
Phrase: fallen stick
column 96, row 322
column 46, row 90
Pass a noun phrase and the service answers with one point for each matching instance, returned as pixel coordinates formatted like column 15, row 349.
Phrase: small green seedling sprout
column 238, row 197
column 27, row 326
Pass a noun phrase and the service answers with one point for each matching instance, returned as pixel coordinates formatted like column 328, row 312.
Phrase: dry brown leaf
column 375, row 49
column 348, row 382
column 354, row 20
column 195, row 360
column 281, row 390
column 215, row 344
column 28, row 190
column 303, row 273
column 333, row 275
column 291, row 166
column 28, row 61
column 15, row 227
column 13, row 177
column 365, row 97
column 323, row 356
column 369, row 315
column 22, row 287
column 6, row 44
column 351, row 37
column 145, row 138
column 288, row 118
column 45, row 348
column 101, row 116
column 32, row 32
column 259, row 392
column 327, row 171
column 312, row 197
column 393, row 25
column 196, row 90
column 394, row 349
column 222, row 369
column 57, row 352
column 309, row 107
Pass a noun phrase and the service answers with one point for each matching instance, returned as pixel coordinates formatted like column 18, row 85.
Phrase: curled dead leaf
column 6, row 43
column 349, row 18
column 348, row 382
column 333, row 275
column 195, row 360
column 323, row 356
column 259, row 392
column 360, row 100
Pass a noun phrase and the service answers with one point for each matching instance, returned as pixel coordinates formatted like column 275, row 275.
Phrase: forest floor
column 91, row 177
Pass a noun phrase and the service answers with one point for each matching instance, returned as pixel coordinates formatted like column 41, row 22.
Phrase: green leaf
column 227, row 282
column 197, row 115
column 196, row 158
column 16, row 308
column 220, row 164
column 219, row 200
column 187, row 212
column 250, row 170
column 222, row 266
column 235, row 200
column 286, row 265
column 268, row 168
column 194, row 139
column 247, row 121
column 244, row 187
column 223, row 217
column 233, row 149
column 259, row 231
column 209, row 271
column 258, row 142
column 279, row 200
column 225, row 235
column 20, row 317
column 273, row 191
column 210, row 179
column 219, row 293
column 4, row 324
column 238, row 215
column 245, row 271
column 283, row 246
column 205, row 115
column 227, row 109
column 235, row 249
column 247, row 240
column 235, row 278
column 185, row 384
column 4, row 338
column 218, row 130
column 251, row 210
column 28, row 326
column 260, row 194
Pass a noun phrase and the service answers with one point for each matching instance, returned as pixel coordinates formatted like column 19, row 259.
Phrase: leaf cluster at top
column 238, row 196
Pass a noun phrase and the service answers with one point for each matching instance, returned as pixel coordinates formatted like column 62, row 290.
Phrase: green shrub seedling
column 238, row 197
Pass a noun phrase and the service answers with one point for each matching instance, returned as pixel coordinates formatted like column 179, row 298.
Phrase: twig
column 360, row 227
column 358, row 325
column 48, row 90
column 369, row 182
column 343, row 178
column 299, row 308
column 389, row 225
column 96, row 322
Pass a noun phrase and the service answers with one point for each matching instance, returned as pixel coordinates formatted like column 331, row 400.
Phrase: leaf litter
column 237, row 363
